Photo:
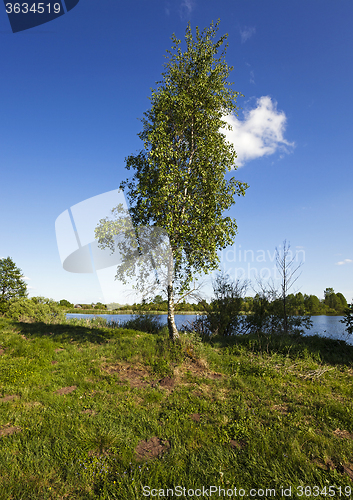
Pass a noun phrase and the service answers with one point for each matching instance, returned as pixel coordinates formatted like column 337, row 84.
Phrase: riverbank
column 90, row 412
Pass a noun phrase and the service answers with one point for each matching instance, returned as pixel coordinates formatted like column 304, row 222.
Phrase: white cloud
column 345, row 261
column 260, row 133
column 247, row 32
column 186, row 8
column 26, row 278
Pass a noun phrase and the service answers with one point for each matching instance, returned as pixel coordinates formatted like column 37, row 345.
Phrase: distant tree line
column 297, row 304
column 68, row 305
column 302, row 305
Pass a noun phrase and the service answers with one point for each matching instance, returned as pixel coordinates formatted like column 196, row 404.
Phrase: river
column 325, row 326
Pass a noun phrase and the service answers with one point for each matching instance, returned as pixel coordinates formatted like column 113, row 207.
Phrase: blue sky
column 72, row 92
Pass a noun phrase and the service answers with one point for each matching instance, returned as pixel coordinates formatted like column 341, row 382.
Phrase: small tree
column 12, row 284
column 224, row 313
column 287, row 269
column 264, row 309
column 179, row 181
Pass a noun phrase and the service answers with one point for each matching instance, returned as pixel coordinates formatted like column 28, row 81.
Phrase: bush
column 65, row 303
column 348, row 319
column 99, row 305
column 4, row 305
column 35, row 309
column 223, row 316
column 149, row 323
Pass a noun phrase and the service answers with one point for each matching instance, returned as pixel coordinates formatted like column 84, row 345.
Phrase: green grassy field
column 92, row 412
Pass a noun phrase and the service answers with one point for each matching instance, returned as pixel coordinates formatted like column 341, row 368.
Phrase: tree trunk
column 285, row 315
column 173, row 331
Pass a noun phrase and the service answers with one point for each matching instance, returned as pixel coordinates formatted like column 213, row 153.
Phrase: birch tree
column 179, row 177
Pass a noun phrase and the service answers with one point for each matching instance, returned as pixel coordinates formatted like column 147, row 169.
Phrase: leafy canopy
column 12, row 284
column 179, row 177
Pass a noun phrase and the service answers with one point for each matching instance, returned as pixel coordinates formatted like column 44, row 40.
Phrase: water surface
column 325, row 326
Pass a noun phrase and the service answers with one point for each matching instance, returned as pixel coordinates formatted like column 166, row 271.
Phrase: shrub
column 348, row 319
column 65, row 303
column 149, row 323
column 35, row 309
column 223, row 316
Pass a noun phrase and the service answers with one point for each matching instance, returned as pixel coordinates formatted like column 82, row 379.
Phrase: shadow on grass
column 62, row 332
column 93, row 330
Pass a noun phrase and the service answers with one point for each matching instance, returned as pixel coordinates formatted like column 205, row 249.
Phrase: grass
column 91, row 412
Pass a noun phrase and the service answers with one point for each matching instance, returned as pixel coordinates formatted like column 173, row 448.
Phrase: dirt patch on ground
column 33, row 404
column 54, row 362
column 197, row 370
column 347, row 469
column 59, row 349
column 7, row 430
column 280, row 408
column 165, row 382
column 328, row 465
column 9, row 398
column 139, row 376
column 237, row 445
column 66, row 390
column 204, row 391
column 214, row 375
column 196, row 417
column 153, row 448
column 98, row 454
column 136, row 376
column 343, row 434
column 89, row 412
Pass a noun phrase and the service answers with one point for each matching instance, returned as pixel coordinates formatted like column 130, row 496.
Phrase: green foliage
column 223, row 316
column 145, row 323
column 99, row 305
column 35, row 309
column 12, row 284
column 313, row 305
column 295, row 304
column 334, row 302
column 348, row 319
column 65, row 303
column 179, row 183
column 186, row 156
column 158, row 299
column 113, row 306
